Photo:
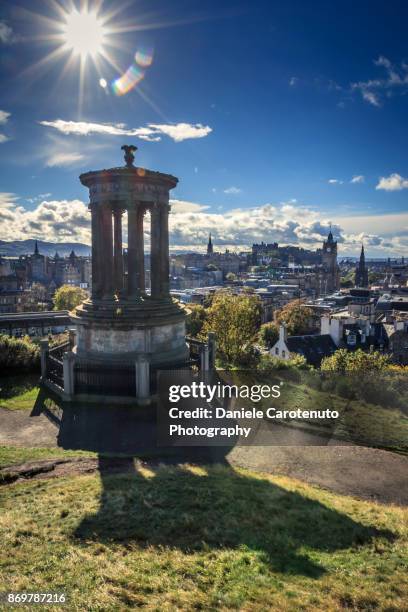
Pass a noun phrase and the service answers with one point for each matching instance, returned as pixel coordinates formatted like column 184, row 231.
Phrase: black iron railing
column 117, row 380
column 54, row 364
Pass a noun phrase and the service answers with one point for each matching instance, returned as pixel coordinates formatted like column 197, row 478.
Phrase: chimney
column 283, row 332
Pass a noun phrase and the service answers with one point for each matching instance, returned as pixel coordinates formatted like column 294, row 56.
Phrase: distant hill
column 26, row 247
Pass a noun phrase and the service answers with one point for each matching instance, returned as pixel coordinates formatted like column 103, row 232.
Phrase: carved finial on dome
column 129, row 156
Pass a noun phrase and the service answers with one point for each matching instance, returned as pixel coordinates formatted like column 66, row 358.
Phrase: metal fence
column 103, row 380
column 54, row 364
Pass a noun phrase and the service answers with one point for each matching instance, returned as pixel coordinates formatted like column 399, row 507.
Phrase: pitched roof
column 313, row 348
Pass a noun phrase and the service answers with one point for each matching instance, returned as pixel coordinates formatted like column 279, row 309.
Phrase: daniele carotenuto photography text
column 203, row 305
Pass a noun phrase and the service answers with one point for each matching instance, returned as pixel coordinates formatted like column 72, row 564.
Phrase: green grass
column 19, row 392
column 11, row 455
column 21, row 401
column 359, row 421
column 209, row 538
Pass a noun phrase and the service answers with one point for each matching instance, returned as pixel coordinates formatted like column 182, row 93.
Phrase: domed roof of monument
column 128, row 171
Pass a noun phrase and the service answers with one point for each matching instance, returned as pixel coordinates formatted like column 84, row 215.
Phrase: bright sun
column 84, row 34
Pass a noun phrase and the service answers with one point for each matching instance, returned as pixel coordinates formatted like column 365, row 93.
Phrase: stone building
column 328, row 273
column 314, row 348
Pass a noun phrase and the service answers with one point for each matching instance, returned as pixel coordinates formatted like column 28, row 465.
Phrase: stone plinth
column 125, row 332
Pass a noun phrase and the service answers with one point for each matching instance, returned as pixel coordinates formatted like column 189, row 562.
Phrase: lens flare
column 144, row 57
column 103, row 83
column 127, row 81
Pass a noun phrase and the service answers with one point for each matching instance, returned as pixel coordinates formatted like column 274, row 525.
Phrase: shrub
column 18, row 354
column 268, row 334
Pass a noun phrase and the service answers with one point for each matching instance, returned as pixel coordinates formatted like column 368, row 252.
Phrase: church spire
column 330, row 236
column 361, row 276
column 209, row 246
column 36, row 251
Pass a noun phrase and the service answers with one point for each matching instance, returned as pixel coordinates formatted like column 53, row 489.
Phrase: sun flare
column 84, row 33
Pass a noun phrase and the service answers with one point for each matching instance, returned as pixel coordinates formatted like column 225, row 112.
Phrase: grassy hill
column 191, row 538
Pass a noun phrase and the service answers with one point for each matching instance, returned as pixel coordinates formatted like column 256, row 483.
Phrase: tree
column 235, row 319
column 68, row 297
column 297, row 316
column 357, row 362
column 195, row 320
column 230, row 277
column 268, row 334
column 347, row 280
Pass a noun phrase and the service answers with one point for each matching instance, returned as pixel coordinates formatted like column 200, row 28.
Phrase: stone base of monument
column 117, row 350
column 121, row 343
column 124, row 331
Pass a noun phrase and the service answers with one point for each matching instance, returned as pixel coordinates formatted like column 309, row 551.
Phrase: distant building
column 329, row 273
column 396, row 328
column 392, row 301
column 361, row 274
column 38, row 271
column 35, row 323
column 314, row 348
column 210, row 248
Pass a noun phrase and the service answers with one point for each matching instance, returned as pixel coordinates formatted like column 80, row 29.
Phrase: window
column 276, row 351
column 283, row 354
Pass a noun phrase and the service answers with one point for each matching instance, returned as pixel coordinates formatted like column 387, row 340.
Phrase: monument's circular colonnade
column 121, row 322
column 123, row 333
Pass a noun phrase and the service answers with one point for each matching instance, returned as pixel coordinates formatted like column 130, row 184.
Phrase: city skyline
column 277, row 121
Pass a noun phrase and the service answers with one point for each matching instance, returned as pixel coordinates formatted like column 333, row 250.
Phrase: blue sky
column 266, row 111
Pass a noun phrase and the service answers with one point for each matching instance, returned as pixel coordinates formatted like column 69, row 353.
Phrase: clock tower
column 330, row 269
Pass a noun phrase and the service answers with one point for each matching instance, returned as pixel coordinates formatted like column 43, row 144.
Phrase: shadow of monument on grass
column 213, row 507
column 197, row 501
column 118, row 430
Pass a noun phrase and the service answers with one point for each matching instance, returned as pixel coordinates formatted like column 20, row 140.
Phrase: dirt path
column 362, row 472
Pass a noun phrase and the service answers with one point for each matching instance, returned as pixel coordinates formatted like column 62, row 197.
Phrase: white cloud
column 191, row 222
column 63, row 159
column 394, row 182
column 56, row 220
column 232, row 190
column 41, row 197
column 181, row 206
column 358, row 178
column 152, row 132
column 371, row 97
column 4, row 117
column 374, row 91
column 293, row 81
column 6, row 33
column 182, row 131
column 335, row 182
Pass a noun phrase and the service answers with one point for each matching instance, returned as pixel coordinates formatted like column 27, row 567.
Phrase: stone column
column 96, row 252
column 117, row 250
column 142, row 379
column 68, row 373
column 106, row 267
column 164, row 250
column 136, row 276
column 155, row 258
column 140, row 249
column 44, row 347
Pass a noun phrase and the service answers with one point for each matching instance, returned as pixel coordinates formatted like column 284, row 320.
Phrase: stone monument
column 121, row 324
